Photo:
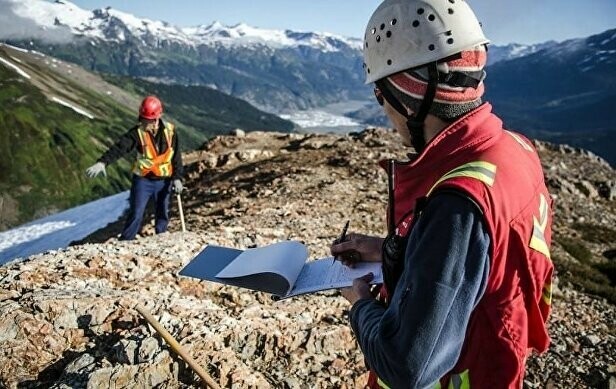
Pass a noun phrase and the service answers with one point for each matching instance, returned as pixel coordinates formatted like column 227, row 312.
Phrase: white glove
column 178, row 187
column 96, row 169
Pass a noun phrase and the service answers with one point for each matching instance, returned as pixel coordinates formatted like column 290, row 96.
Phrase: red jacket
column 501, row 172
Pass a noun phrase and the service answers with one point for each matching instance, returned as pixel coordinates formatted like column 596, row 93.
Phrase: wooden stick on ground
column 181, row 213
column 175, row 346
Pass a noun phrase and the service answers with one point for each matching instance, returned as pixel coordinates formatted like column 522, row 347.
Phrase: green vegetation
column 47, row 146
column 596, row 234
column 609, row 269
column 274, row 78
column 594, row 277
column 576, row 249
column 587, row 277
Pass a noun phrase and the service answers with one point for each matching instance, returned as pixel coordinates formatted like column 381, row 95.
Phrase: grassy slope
column 47, row 146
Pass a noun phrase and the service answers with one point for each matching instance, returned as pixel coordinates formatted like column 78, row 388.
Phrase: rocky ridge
column 66, row 317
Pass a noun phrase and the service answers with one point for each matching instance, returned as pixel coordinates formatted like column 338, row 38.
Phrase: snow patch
column 15, row 48
column 15, row 67
column 57, row 231
column 317, row 118
column 29, row 233
column 80, row 111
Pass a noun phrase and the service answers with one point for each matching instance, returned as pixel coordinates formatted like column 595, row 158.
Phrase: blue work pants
column 142, row 190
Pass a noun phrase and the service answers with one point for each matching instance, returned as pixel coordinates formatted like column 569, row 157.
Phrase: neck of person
column 433, row 126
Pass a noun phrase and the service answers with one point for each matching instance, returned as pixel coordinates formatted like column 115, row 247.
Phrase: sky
column 519, row 21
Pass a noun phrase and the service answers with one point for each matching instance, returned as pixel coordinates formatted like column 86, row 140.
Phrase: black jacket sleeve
column 176, row 162
column 125, row 144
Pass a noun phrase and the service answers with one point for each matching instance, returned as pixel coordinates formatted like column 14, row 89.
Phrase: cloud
column 14, row 27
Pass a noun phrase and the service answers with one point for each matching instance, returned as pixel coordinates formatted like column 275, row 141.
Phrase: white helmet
column 404, row 34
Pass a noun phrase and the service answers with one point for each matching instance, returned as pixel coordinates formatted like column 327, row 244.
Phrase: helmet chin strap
column 415, row 122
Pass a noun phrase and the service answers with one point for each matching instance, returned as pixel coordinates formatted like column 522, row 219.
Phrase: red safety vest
column 149, row 162
column 500, row 171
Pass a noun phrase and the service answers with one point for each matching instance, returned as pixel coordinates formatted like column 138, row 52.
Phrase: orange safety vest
column 149, row 162
column 501, row 172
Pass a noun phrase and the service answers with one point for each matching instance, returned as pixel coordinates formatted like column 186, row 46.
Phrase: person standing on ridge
column 466, row 263
column 157, row 170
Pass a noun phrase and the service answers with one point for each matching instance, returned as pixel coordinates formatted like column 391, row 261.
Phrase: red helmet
column 151, row 108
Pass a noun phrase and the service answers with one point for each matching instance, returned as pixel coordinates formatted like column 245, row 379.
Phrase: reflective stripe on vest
column 456, row 381
column 150, row 162
column 546, row 293
column 480, row 170
column 537, row 241
column 459, row 381
column 521, row 141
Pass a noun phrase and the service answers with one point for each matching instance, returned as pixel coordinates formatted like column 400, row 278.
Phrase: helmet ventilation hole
column 452, row 1
column 388, row 34
column 393, row 22
column 368, row 70
column 420, row 11
column 431, row 17
column 450, row 41
column 389, row 61
column 366, row 45
column 382, row 26
column 416, row 23
column 450, row 10
column 378, row 38
column 373, row 31
column 431, row 47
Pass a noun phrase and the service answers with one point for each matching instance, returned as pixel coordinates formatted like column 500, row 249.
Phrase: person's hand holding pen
column 352, row 248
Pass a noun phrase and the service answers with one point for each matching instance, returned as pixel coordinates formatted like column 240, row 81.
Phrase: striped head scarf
column 451, row 102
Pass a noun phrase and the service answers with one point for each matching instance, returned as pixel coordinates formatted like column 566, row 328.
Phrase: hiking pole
column 181, row 213
column 175, row 346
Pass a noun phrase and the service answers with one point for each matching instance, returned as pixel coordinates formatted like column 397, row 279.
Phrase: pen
column 342, row 237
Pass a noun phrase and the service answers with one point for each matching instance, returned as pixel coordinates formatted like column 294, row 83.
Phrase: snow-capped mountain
column 111, row 25
column 243, row 34
column 564, row 93
column 273, row 69
column 515, row 50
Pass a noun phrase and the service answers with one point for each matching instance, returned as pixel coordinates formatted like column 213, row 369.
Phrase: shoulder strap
column 169, row 132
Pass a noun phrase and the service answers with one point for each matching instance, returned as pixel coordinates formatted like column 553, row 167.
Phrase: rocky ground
column 67, row 317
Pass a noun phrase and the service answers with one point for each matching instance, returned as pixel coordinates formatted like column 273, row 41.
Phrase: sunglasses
column 379, row 96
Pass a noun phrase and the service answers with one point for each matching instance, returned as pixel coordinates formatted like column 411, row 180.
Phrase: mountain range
column 564, row 92
column 558, row 91
column 272, row 69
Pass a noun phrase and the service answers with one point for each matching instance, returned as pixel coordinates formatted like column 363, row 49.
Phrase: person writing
column 157, row 170
column 466, row 262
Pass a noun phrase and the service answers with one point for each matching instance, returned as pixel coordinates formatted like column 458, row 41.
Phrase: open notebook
column 280, row 269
